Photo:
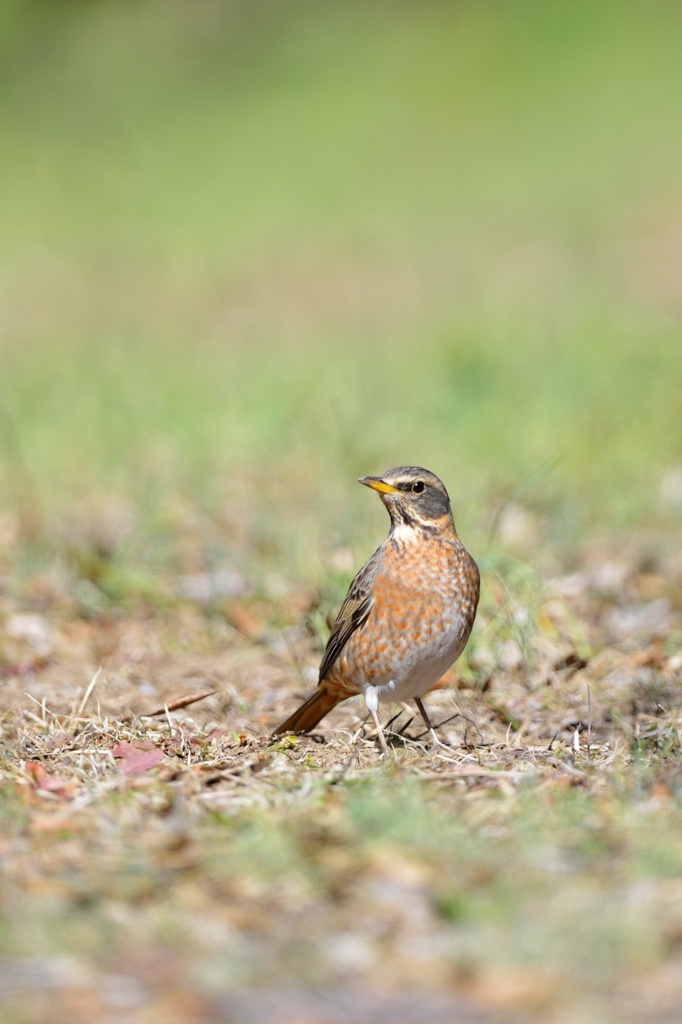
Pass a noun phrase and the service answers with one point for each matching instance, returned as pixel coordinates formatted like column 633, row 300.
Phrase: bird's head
column 414, row 497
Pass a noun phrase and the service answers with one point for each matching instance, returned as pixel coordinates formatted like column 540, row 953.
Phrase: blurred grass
column 247, row 255
column 573, row 895
column 249, row 252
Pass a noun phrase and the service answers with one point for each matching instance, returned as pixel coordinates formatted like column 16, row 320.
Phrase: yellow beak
column 377, row 484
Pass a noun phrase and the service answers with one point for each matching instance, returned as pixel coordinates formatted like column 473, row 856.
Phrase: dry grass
column 164, row 860
column 248, row 255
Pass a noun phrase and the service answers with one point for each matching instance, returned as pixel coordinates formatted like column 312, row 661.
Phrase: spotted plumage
column 408, row 612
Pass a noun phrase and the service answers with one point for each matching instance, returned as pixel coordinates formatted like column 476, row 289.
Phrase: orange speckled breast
column 424, row 603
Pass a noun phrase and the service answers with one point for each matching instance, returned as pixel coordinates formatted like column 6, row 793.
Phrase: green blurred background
column 250, row 251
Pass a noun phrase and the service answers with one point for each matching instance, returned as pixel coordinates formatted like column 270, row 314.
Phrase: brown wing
column 353, row 612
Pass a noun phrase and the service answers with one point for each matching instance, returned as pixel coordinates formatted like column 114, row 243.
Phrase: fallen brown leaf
column 137, row 758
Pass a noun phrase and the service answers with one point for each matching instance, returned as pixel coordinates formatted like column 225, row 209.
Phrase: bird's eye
column 418, row 486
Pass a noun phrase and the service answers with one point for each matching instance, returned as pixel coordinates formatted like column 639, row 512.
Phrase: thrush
column 408, row 612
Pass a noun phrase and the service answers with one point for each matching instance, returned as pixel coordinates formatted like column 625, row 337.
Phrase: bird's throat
column 407, row 531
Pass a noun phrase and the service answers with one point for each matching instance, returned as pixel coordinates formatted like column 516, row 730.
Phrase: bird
column 408, row 612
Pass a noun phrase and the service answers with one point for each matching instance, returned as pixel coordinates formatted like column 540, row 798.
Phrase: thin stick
column 42, row 704
column 474, row 772
column 175, row 705
column 89, row 690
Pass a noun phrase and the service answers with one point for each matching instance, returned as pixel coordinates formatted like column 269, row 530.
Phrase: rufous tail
column 310, row 712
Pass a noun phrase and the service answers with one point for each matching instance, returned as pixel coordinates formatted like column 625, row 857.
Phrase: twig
column 174, row 705
column 476, row 772
column 87, row 693
column 42, row 704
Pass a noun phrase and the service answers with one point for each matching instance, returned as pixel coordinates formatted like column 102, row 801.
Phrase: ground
column 249, row 253
column 160, row 851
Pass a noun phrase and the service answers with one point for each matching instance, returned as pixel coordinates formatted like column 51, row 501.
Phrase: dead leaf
column 44, row 782
column 137, row 758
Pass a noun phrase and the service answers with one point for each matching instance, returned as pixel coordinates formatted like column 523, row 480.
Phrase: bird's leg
column 372, row 702
column 429, row 726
